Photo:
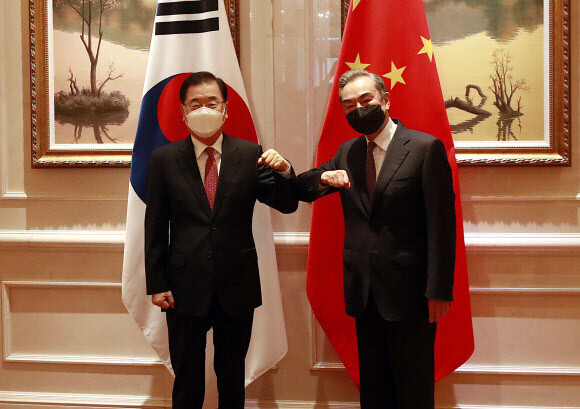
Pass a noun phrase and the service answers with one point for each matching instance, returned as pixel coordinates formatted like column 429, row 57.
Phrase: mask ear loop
column 225, row 110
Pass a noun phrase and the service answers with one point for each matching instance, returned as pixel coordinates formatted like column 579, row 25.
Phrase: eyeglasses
column 210, row 105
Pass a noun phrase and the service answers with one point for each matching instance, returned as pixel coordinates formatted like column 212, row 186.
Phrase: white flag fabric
column 193, row 36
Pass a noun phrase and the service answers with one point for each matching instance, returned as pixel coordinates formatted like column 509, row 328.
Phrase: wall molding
column 498, row 370
column 493, row 199
column 528, row 370
column 561, row 291
column 62, row 240
column 17, row 195
column 318, row 364
column 294, row 404
column 66, row 400
column 10, row 104
column 113, row 241
column 9, row 356
column 493, row 243
column 82, row 360
column 6, row 195
column 288, row 404
column 519, row 198
column 55, row 400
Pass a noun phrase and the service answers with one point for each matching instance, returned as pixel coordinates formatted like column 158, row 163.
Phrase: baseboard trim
column 294, row 404
column 286, row 404
column 55, row 400
column 101, row 401
column 501, row 370
column 527, row 370
column 81, row 360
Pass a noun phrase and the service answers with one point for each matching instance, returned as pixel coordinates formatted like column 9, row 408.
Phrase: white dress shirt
column 382, row 140
column 202, row 156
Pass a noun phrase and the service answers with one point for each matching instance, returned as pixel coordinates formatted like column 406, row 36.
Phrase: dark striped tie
column 371, row 170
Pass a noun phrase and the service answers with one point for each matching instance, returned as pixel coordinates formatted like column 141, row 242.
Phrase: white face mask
column 204, row 121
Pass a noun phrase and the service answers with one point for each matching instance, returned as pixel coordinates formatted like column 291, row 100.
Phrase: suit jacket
column 400, row 247
column 197, row 252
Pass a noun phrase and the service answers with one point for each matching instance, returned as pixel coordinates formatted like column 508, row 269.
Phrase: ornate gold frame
column 42, row 153
column 559, row 151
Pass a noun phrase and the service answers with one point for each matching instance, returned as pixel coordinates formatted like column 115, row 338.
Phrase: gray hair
column 354, row 74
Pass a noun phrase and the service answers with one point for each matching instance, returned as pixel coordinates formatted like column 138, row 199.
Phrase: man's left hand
column 274, row 160
column 437, row 309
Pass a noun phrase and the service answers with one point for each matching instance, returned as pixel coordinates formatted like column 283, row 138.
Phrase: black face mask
column 366, row 120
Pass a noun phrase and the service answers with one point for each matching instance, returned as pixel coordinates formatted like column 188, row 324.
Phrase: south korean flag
column 188, row 37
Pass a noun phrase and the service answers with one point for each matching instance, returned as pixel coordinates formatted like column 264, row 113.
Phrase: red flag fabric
column 391, row 39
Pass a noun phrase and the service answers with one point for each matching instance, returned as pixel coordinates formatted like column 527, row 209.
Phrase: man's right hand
column 164, row 300
column 335, row 178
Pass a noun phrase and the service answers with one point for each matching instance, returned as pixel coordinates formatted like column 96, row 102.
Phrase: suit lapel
column 356, row 161
column 228, row 165
column 188, row 163
column 396, row 153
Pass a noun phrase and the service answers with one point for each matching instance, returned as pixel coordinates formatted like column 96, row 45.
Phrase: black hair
column 354, row 74
column 202, row 77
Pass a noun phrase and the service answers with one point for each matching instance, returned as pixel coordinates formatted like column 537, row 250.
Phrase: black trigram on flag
column 187, row 26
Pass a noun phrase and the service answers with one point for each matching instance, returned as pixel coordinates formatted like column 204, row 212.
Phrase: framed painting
column 504, row 68
column 87, row 67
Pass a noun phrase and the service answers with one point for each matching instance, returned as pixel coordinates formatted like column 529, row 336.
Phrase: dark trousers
column 396, row 362
column 187, row 341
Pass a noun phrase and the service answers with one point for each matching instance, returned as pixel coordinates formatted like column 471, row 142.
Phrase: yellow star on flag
column 427, row 48
column 357, row 65
column 355, row 3
column 396, row 75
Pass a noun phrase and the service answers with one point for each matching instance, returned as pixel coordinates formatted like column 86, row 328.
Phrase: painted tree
column 504, row 86
column 91, row 13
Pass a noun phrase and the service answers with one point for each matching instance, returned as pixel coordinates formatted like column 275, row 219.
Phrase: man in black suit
column 397, row 196
column 200, row 259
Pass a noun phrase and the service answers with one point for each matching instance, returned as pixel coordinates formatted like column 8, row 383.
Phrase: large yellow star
column 357, row 65
column 427, row 48
column 396, row 75
column 355, row 3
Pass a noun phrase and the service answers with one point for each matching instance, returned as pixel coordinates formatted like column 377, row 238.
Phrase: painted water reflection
column 467, row 35
column 97, row 124
column 68, row 52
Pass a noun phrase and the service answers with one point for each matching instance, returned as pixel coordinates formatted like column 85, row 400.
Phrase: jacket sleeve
column 308, row 185
column 275, row 190
column 156, row 229
column 439, row 198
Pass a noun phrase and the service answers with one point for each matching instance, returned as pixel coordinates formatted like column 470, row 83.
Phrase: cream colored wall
column 74, row 345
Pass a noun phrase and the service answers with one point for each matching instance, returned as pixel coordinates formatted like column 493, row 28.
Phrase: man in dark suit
column 200, row 259
column 397, row 196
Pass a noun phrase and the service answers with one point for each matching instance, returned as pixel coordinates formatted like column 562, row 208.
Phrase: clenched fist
column 274, row 160
column 164, row 300
column 335, row 178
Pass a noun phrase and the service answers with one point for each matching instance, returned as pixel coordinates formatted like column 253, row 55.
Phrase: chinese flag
column 391, row 39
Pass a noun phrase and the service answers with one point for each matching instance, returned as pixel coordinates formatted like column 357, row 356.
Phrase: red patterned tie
column 211, row 175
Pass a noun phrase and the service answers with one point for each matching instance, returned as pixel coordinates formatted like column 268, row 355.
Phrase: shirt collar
column 199, row 147
column 384, row 138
